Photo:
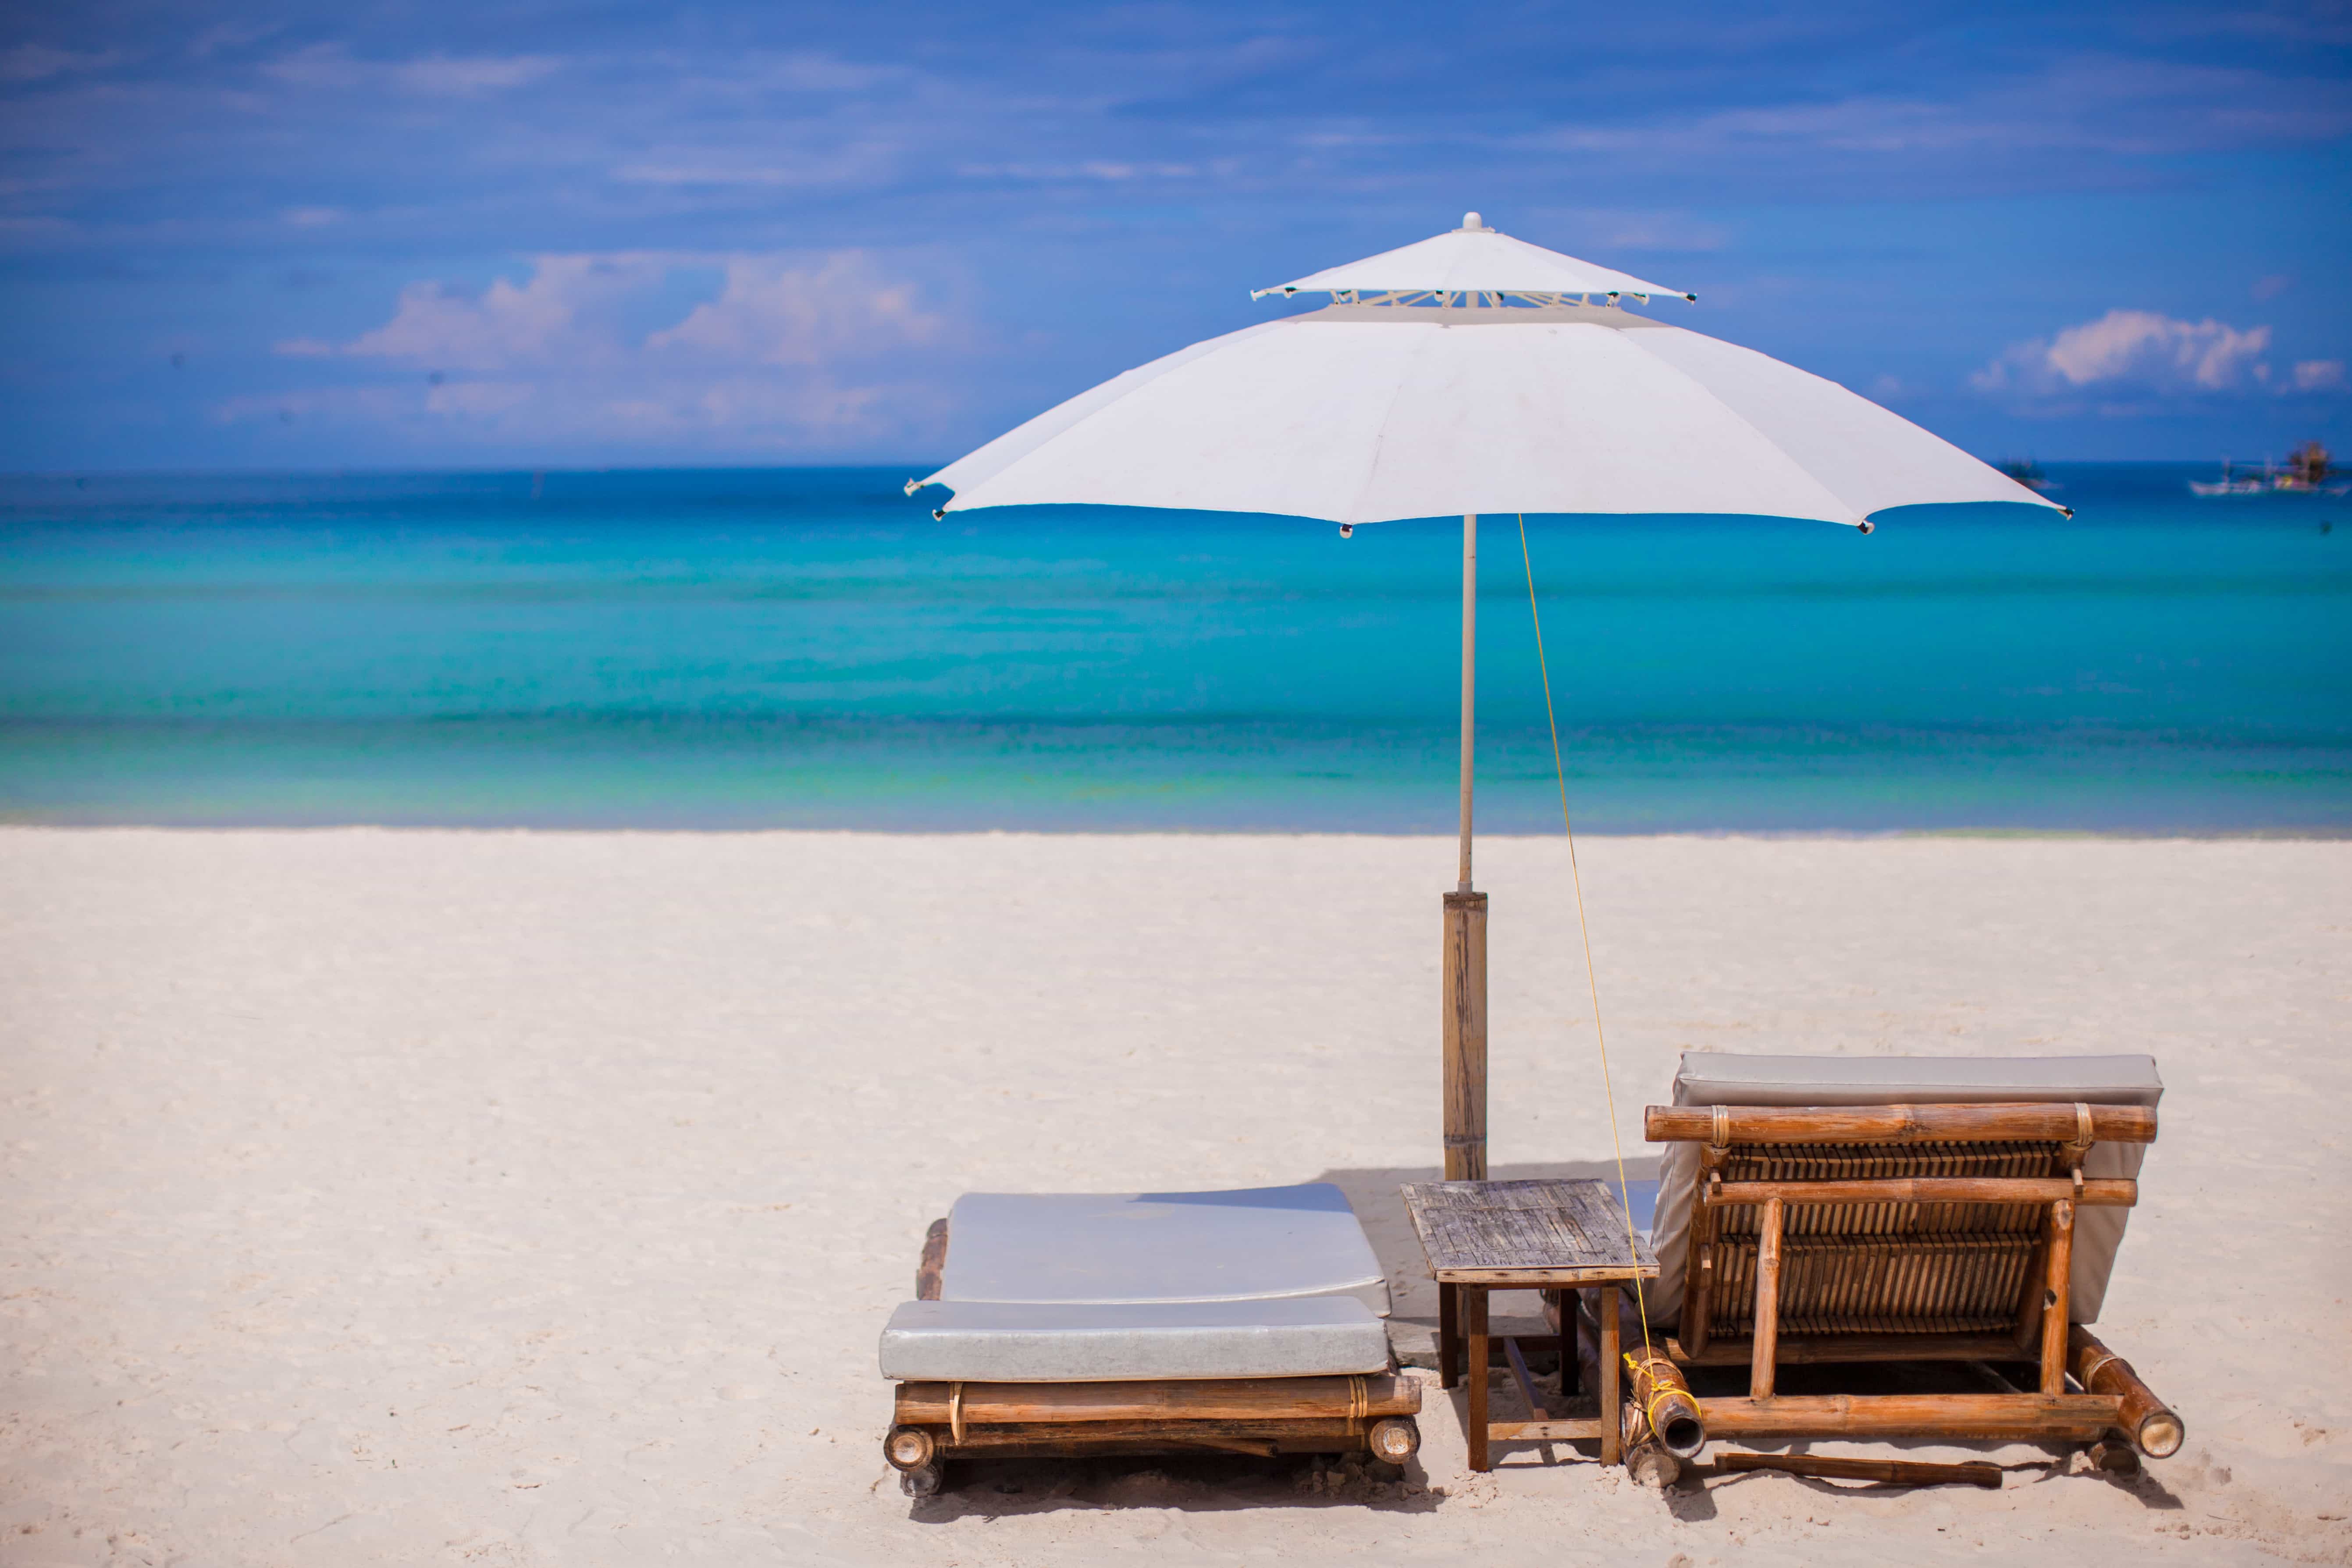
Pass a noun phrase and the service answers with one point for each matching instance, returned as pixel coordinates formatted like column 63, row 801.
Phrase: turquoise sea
column 809, row 647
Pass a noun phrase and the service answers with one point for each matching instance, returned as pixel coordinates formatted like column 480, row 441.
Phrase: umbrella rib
column 1857, row 518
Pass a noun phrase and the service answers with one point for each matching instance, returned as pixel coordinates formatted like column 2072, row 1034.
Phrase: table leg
column 1611, row 1418
column 1474, row 1321
column 1563, row 1305
column 1449, row 1327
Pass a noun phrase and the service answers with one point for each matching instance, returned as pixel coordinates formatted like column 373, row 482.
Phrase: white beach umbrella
column 1472, row 372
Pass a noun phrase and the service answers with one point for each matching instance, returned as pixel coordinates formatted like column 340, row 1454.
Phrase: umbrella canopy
column 1472, row 402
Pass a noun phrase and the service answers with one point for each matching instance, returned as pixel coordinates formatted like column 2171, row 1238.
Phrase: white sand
column 396, row 1197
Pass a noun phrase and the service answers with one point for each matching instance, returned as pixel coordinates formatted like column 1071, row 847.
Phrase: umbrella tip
column 1867, row 526
column 1472, row 220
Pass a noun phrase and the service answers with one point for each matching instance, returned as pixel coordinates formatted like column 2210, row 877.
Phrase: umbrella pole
column 1465, row 1004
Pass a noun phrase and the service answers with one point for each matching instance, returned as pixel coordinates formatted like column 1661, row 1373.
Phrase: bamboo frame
column 2029, row 1122
column 2080, row 1417
column 2056, row 1296
column 1203, row 1399
column 1849, row 1349
column 934, row 1422
column 933, row 1267
column 1667, row 1413
column 1767, row 1336
column 1892, row 1472
column 1330, row 1431
column 1938, row 1253
column 2152, row 1427
column 2101, row 1192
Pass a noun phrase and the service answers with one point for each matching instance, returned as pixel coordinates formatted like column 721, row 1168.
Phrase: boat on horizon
column 2304, row 472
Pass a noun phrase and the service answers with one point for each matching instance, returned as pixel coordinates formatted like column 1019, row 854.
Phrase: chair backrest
column 1894, row 1266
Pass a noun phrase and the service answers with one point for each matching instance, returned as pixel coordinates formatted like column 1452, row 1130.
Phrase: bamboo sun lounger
column 1071, row 1324
column 1827, row 1210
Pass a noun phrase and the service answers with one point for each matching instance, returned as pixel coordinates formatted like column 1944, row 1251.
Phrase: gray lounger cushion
column 1097, row 1248
column 1711, row 1079
column 994, row 1342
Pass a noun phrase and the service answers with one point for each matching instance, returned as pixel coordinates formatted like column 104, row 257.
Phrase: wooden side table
column 1558, row 1238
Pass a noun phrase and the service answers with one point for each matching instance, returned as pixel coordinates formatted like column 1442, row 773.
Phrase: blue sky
column 491, row 235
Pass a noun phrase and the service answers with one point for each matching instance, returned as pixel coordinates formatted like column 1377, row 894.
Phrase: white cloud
column 773, row 312
column 792, row 349
column 561, row 315
column 2137, row 362
column 2132, row 350
column 2140, row 346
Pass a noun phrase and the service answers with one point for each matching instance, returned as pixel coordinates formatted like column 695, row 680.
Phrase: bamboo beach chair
column 1073, row 1324
column 1827, row 1211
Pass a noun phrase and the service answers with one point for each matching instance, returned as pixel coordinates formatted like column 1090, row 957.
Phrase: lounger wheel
column 1394, row 1438
column 910, row 1447
column 915, row 1455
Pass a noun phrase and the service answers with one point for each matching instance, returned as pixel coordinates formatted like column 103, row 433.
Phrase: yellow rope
column 1658, row 1397
column 1576, row 877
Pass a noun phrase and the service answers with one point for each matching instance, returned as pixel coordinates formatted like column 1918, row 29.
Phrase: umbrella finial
column 1471, row 220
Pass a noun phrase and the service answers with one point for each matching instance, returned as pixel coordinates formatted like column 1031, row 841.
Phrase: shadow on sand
column 1208, row 1483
